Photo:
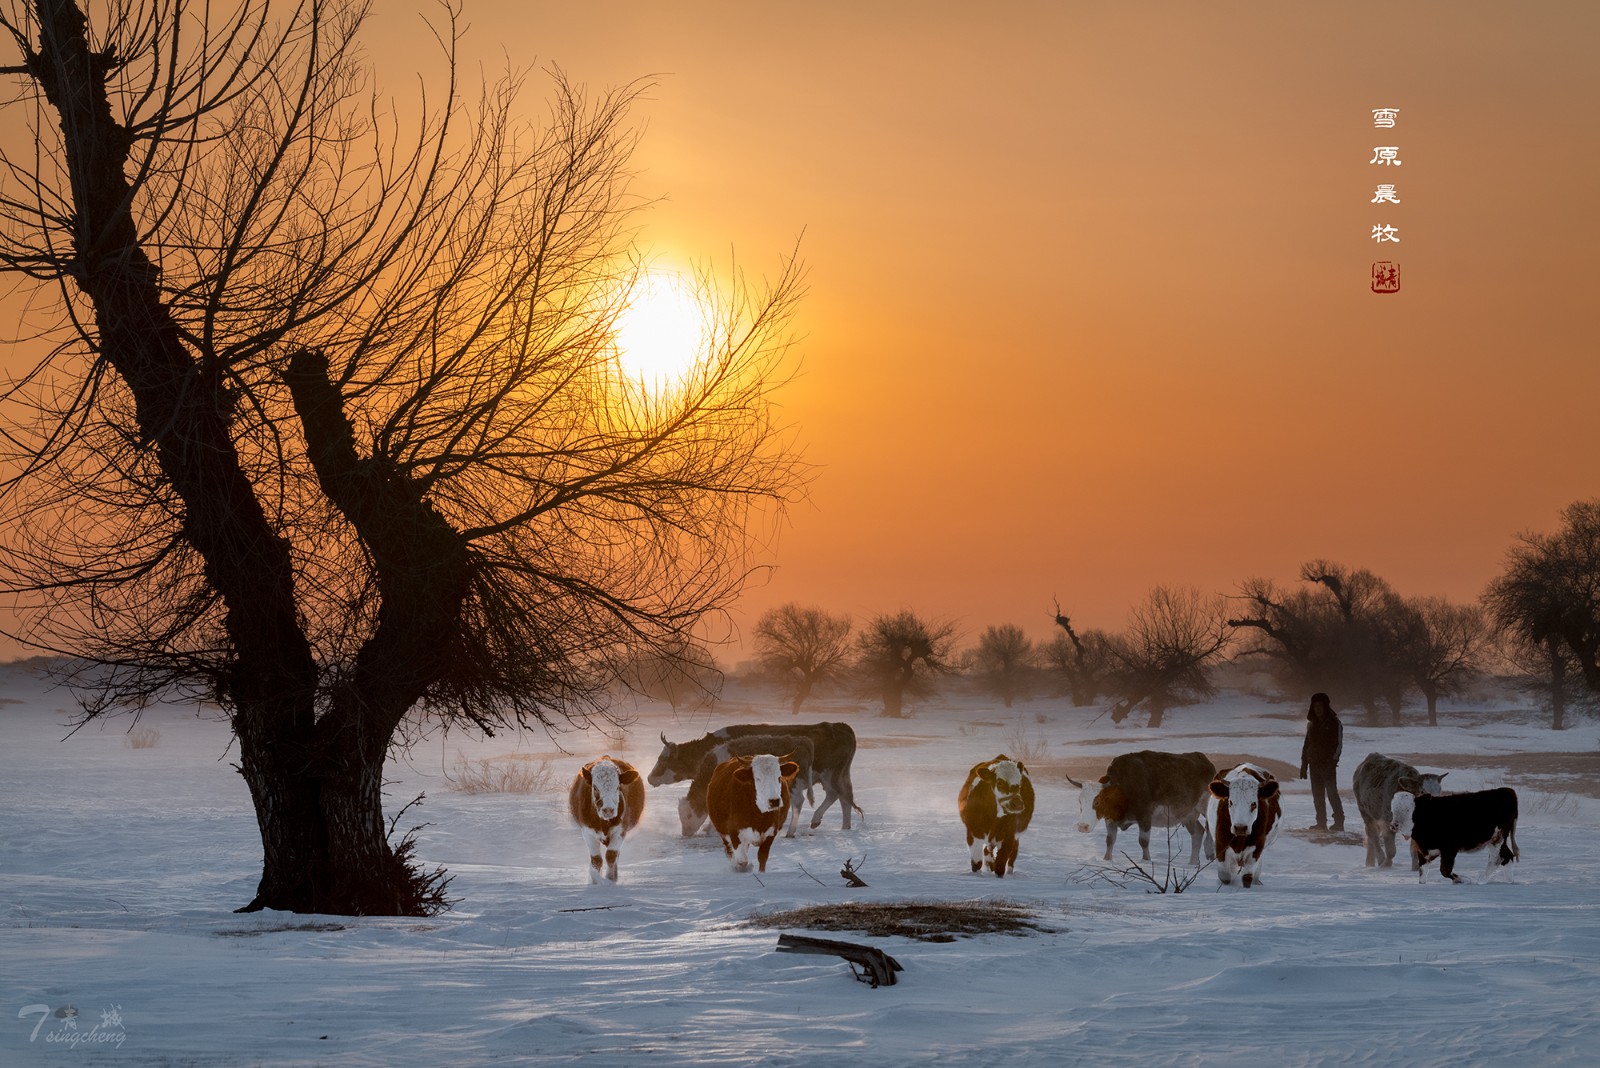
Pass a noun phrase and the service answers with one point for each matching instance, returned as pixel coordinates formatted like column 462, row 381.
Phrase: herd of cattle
column 751, row 779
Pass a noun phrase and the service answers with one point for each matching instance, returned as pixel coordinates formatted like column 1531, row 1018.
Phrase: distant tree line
column 1339, row 629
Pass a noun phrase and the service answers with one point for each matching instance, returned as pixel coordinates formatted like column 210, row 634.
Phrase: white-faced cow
column 1378, row 781
column 692, row 810
column 1244, row 812
column 606, row 800
column 1149, row 788
column 996, row 804
column 1459, row 823
column 833, row 748
column 748, row 799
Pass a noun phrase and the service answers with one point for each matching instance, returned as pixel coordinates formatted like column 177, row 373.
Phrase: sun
column 660, row 334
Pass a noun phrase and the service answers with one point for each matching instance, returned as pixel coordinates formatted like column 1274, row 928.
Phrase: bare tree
column 804, row 647
column 328, row 424
column 1444, row 648
column 1548, row 598
column 1162, row 659
column 1081, row 659
column 899, row 656
column 1345, row 634
column 1001, row 661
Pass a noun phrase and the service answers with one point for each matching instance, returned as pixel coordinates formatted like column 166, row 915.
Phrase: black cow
column 1148, row 788
column 1459, row 823
column 833, row 748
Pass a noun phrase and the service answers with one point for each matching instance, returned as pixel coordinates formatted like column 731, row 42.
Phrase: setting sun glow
column 661, row 332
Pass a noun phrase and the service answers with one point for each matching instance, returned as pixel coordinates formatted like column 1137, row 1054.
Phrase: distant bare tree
column 1162, row 659
column 1445, row 648
column 1082, row 659
column 804, row 647
column 899, row 656
column 328, row 423
column 1548, row 598
column 1345, row 635
column 1001, row 661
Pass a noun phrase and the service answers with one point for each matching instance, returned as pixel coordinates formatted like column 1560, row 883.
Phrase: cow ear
column 1104, row 779
column 1409, row 785
column 588, row 774
column 1021, row 767
column 628, row 776
column 985, row 773
column 1268, row 788
column 1219, row 788
column 1442, row 774
column 744, row 774
column 789, row 769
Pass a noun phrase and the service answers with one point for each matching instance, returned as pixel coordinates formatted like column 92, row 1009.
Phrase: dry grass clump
column 925, row 921
column 515, row 773
column 144, row 738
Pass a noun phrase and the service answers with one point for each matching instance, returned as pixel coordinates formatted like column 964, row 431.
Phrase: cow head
column 1005, row 777
column 663, row 772
column 1088, row 796
column 770, row 778
column 689, row 817
column 1244, row 794
column 606, row 781
column 1402, row 812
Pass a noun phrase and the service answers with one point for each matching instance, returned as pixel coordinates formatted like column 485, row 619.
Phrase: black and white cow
column 1149, row 788
column 1459, row 823
column 833, row 750
column 1378, row 780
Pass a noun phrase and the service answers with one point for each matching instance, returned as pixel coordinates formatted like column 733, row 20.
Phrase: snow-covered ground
column 119, row 868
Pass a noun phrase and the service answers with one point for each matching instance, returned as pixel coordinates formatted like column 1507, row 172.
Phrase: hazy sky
column 1090, row 303
column 1089, row 284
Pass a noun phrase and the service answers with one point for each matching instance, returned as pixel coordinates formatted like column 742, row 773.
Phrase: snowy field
column 120, row 867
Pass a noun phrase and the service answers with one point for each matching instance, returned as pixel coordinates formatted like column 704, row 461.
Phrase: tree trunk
column 893, row 698
column 1157, row 713
column 1432, row 695
column 1558, row 683
column 801, row 692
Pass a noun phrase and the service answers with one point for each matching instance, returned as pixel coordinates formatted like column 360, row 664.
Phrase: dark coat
column 1324, row 738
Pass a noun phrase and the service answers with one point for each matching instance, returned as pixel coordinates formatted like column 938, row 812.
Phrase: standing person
column 1320, row 753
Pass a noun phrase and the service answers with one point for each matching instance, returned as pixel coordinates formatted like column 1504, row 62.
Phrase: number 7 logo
column 28, row 1010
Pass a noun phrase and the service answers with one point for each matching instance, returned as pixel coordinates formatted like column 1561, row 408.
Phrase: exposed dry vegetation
column 515, row 773
column 144, row 738
column 925, row 921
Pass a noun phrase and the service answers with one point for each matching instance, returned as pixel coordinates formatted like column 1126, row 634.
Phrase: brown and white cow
column 833, row 750
column 1244, row 812
column 748, row 800
column 606, row 800
column 996, row 805
column 692, row 806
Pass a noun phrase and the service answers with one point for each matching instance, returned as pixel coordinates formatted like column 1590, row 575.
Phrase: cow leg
column 1447, row 865
column 978, row 850
column 830, row 794
column 1111, row 836
column 847, row 796
column 596, row 843
column 1225, row 866
column 1193, row 827
column 1144, row 839
column 765, row 848
column 1005, row 857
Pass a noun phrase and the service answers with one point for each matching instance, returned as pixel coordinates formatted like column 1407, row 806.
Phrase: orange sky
column 1089, row 303
column 1089, row 306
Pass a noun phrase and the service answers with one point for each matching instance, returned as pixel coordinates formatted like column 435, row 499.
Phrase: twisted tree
column 325, row 421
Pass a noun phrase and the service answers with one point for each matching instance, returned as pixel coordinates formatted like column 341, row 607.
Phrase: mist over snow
column 120, row 868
